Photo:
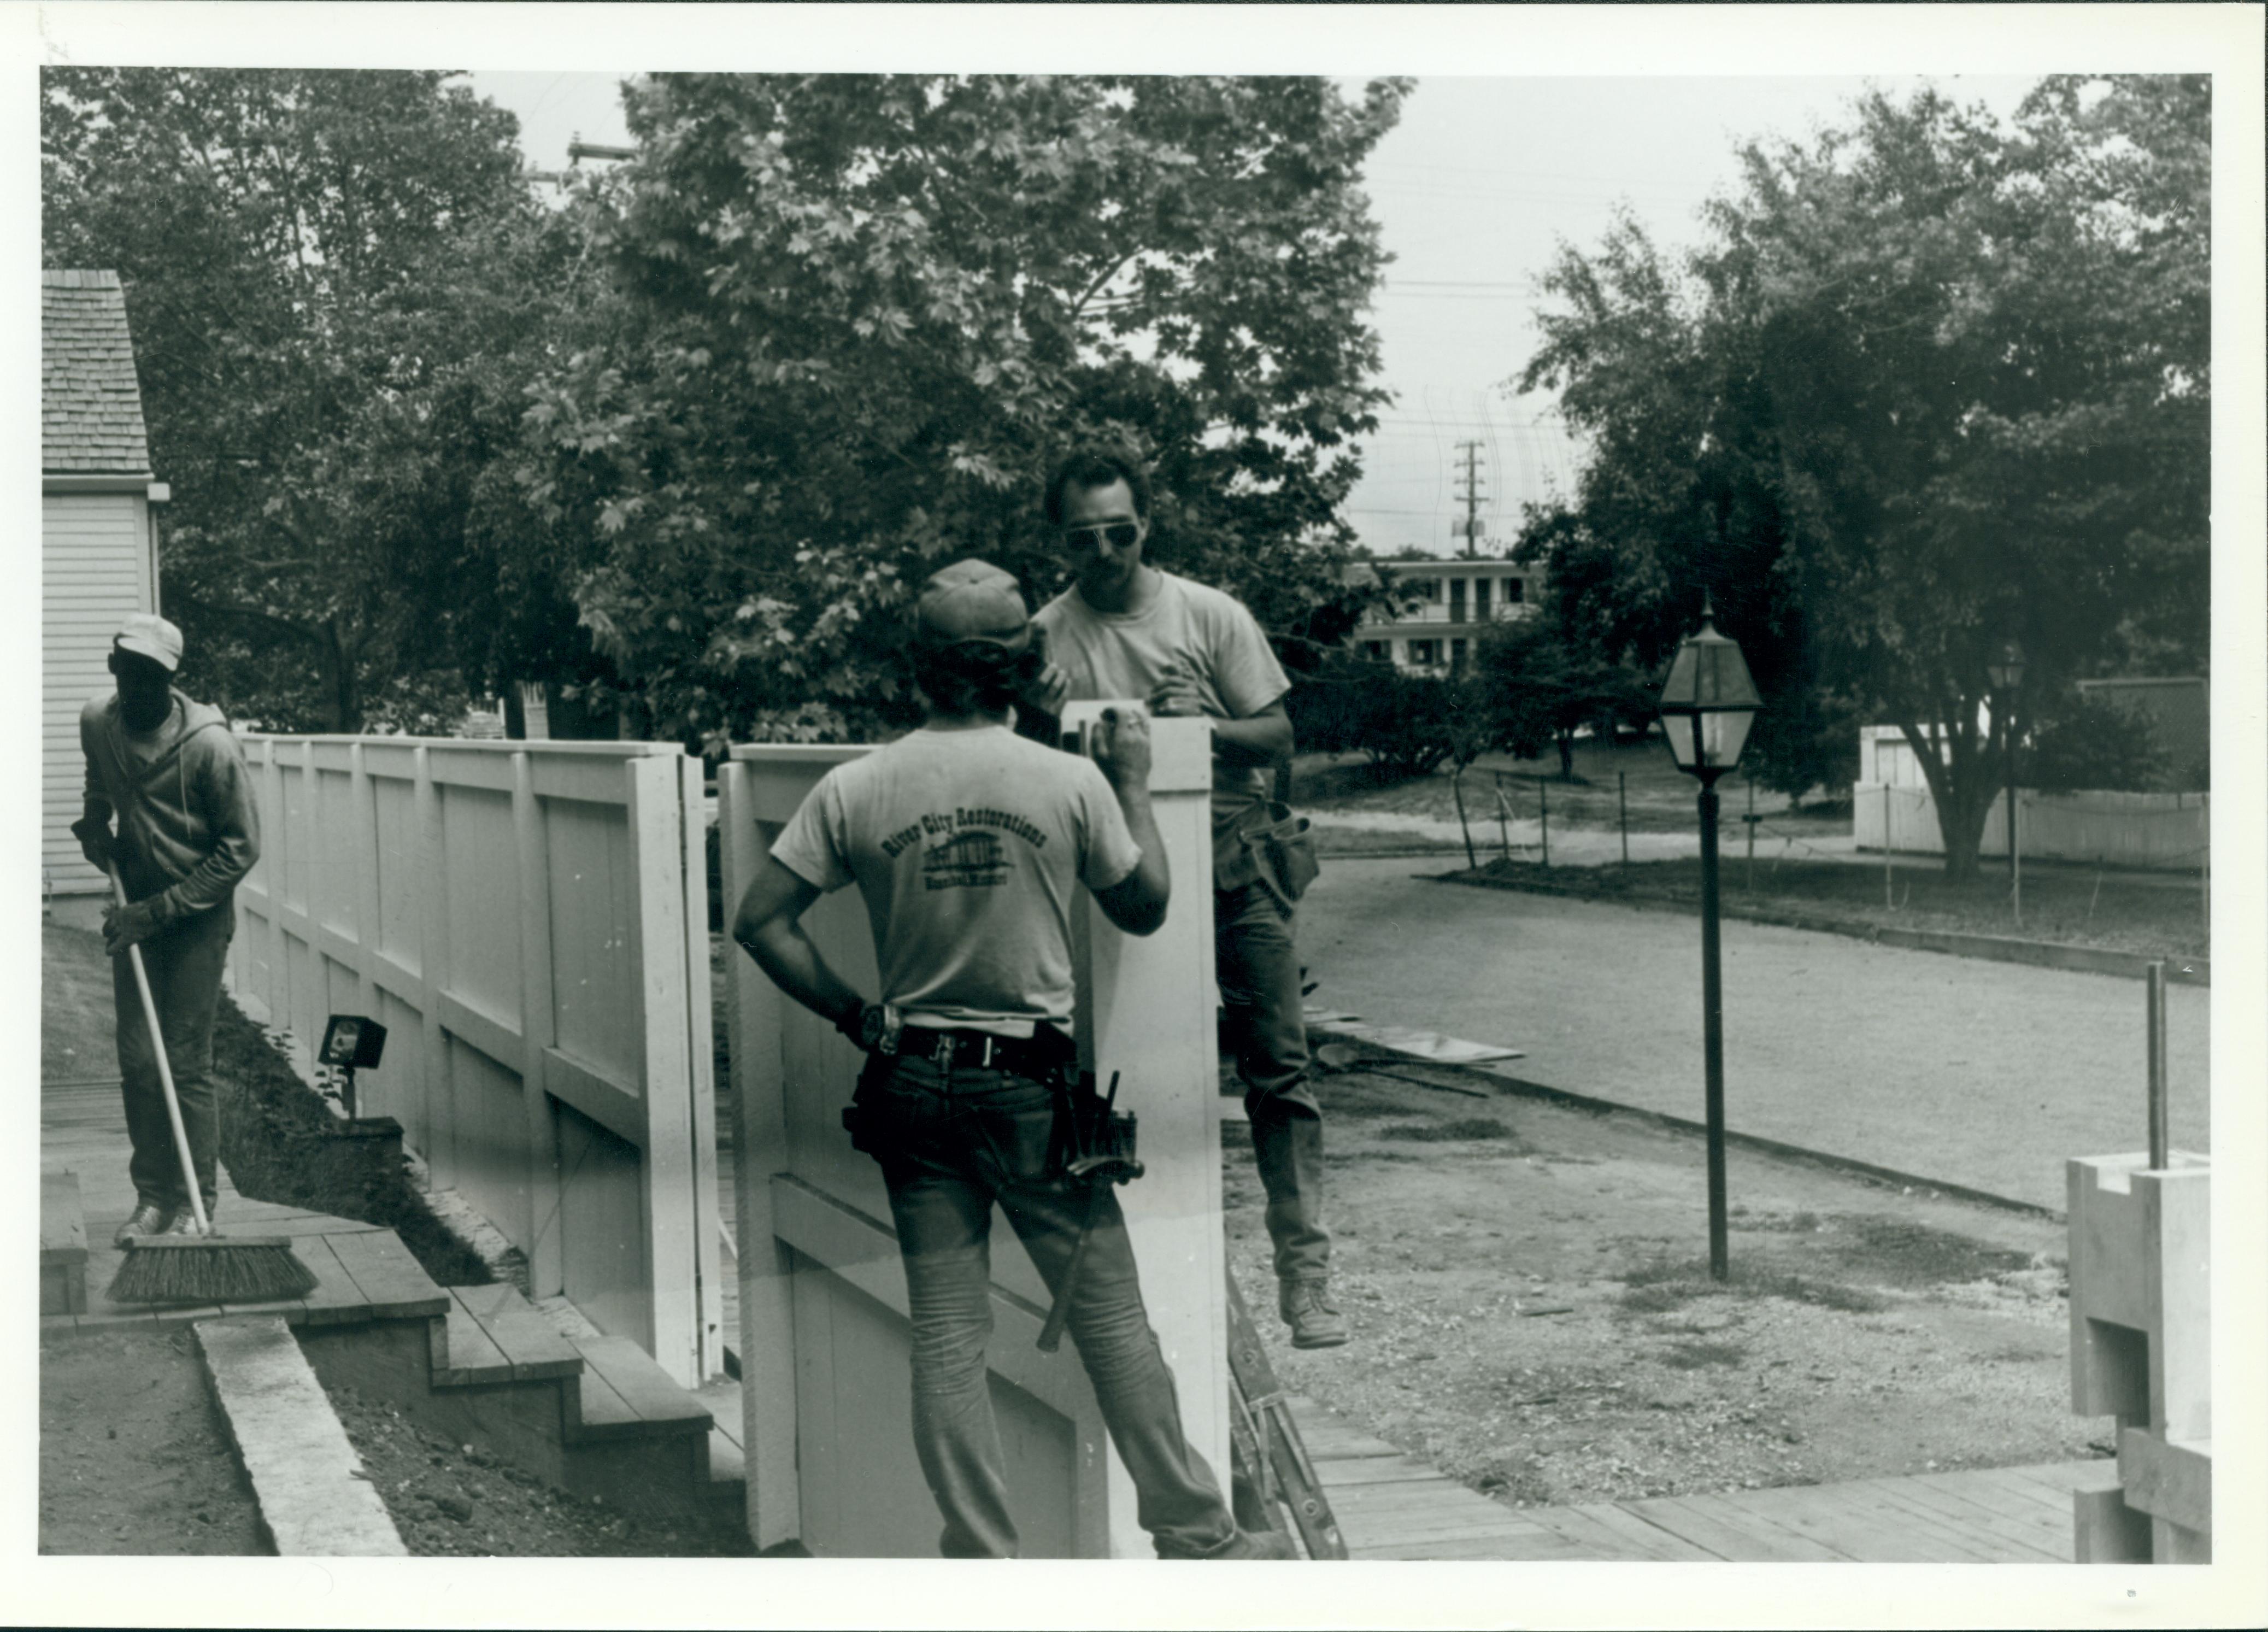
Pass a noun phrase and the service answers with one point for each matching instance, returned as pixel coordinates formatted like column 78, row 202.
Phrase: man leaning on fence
column 966, row 843
column 170, row 771
column 1126, row 629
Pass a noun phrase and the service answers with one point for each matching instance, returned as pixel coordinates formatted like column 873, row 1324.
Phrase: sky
column 1474, row 191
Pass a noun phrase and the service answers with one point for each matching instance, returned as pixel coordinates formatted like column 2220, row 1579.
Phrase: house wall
column 97, row 566
column 1425, row 636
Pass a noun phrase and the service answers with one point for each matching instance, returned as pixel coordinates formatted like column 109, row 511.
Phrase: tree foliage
column 334, row 280
column 856, row 317
column 1930, row 384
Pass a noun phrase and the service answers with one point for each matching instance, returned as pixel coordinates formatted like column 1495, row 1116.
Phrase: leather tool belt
column 1038, row 1056
column 1271, row 847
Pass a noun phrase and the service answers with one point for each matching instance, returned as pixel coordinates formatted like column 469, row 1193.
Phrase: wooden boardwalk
column 1390, row 1505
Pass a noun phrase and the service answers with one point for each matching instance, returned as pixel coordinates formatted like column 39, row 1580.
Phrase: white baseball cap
column 145, row 634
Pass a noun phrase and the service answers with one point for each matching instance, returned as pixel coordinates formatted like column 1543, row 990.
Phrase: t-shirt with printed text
column 966, row 846
column 1201, row 629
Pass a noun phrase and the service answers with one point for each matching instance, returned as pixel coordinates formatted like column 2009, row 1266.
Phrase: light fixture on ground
column 2007, row 676
column 352, row 1043
column 1708, row 705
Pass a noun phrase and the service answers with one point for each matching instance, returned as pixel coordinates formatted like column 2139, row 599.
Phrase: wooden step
column 625, row 1395
column 493, row 1335
column 63, row 1244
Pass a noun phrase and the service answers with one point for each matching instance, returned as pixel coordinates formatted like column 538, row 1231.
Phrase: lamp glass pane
column 1725, row 734
column 1679, row 729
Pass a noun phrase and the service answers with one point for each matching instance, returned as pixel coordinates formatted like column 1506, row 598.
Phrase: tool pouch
column 1091, row 1134
column 1269, row 846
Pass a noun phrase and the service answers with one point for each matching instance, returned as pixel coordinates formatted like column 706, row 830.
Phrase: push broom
column 206, row 1267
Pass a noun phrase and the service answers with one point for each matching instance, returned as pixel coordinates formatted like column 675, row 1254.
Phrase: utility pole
column 1472, row 497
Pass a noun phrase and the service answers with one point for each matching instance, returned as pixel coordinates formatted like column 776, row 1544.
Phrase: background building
column 98, row 539
column 1443, row 607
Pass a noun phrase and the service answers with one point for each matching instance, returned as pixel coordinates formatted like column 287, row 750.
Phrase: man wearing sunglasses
column 1126, row 629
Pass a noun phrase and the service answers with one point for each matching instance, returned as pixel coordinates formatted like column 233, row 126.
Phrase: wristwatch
column 878, row 1026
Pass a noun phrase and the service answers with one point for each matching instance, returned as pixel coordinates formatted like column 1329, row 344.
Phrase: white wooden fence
column 2164, row 831
column 825, row 1342
column 529, row 922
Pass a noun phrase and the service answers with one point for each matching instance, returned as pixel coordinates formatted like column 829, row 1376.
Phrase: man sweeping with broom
column 175, row 779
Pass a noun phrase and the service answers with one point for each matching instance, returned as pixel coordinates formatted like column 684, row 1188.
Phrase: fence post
column 437, row 1136
column 1544, row 808
column 1888, row 905
column 1622, row 804
column 2154, row 1028
column 365, row 938
column 546, row 1262
column 2205, row 865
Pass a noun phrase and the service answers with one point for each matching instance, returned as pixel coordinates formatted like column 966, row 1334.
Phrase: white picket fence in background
column 1891, row 803
column 529, row 922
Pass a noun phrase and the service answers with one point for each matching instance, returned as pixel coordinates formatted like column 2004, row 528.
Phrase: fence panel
column 517, row 916
column 824, row 1335
column 2163, row 831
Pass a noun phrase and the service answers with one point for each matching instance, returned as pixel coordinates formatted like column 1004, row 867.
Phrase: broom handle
column 164, row 1070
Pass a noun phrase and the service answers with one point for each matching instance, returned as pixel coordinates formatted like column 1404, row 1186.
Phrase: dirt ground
column 1533, row 1311
column 133, row 1455
column 451, row 1501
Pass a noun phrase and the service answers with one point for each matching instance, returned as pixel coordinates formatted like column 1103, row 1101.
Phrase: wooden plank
column 1330, row 1437
column 1710, row 1523
column 337, row 1296
column 644, row 1387
column 712, row 1284
column 463, row 1352
column 2015, row 1490
column 600, row 1410
column 1970, row 1497
column 390, row 1277
column 1607, row 1530
column 1532, row 1546
column 2012, row 1539
column 63, row 1225
column 667, row 968
column 1376, row 1471
column 1868, row 1531
column 532, row 1343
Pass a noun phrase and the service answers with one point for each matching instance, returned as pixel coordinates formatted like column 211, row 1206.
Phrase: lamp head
column 1708, row 703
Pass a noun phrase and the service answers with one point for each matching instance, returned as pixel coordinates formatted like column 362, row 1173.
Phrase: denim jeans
column 184, row 964
column 950, row 1145
column 1259, row 970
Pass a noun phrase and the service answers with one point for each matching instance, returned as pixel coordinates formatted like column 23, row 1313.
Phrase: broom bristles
column 210, row 1269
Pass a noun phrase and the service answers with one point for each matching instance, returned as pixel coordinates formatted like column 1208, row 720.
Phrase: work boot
column 1252, row 1544
column 149, row 1219
column 1307, row 1308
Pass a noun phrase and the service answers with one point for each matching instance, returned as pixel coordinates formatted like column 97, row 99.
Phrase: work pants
column 951, row 1143
column 1258, row 966
column 184, row 963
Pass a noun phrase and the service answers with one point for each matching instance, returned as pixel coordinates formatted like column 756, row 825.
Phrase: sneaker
column 184, row 1222
column 1307, row 1308
column 149, row 1219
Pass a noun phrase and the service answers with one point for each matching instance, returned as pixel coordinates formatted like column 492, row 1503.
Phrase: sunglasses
column 1120, row 534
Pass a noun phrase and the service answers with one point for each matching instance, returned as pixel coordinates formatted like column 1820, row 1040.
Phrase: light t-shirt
column 967, row 847
column 1125, row 655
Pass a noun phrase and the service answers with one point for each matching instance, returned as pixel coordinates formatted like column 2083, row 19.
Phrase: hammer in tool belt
column 1102, row 1155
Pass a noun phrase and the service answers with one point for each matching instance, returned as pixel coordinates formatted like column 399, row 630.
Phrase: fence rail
column 529, row 922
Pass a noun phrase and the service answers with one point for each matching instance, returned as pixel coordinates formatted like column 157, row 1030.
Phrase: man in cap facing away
column 167, row 768
column 967, row 843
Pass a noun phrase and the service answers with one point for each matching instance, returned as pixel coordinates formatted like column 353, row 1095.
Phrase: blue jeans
column 950, row 1145
column 184, row 963
column 1259, row 970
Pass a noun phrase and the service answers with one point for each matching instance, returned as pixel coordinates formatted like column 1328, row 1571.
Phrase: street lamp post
column 2007, row 676
column 1708, row 705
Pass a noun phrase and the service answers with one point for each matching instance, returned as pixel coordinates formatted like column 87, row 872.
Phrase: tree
column 1930, row 384
column 859, row 316
column 1538, row 690
column 334, row 280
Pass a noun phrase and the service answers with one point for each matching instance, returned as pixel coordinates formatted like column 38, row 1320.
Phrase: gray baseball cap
column 145, row 634
column 973, row 601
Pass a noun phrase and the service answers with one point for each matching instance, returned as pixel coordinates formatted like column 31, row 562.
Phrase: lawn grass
column 2069, row 906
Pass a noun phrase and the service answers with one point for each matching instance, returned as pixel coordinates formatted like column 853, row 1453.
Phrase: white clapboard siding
column 95, row 569
column 527, row 920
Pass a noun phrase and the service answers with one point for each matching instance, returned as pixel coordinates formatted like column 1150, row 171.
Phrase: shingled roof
column 90, row 404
